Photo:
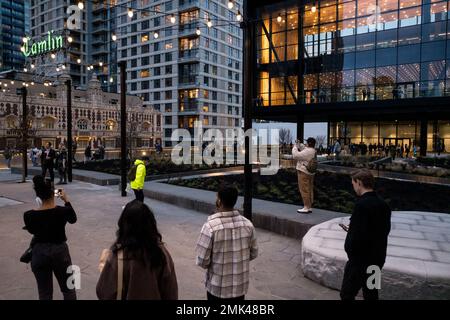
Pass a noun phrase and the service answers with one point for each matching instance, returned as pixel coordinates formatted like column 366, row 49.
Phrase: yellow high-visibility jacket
column 141, row 172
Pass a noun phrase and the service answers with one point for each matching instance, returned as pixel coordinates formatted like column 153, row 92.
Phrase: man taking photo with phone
column 367, row 237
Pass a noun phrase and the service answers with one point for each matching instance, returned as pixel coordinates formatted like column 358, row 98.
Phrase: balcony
column 189, row 54
column 100, row 28
column 187, row 29
column 188, row 4
column 99, row 50
column 190, row 80
column 188, row 106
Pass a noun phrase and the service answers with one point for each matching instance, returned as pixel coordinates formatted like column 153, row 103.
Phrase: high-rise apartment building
column 13, row 26
column 179, row 64
column 90, row 45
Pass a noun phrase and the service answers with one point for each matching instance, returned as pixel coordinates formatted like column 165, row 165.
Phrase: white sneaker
column 304, row 210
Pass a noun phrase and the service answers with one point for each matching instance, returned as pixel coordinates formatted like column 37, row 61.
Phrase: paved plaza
column 275, row 274
column 417, row 263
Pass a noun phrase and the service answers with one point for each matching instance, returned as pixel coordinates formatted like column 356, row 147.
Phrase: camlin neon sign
column 48, row 44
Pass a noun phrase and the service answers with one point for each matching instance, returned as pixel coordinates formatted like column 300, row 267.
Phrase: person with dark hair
column 88, row 153
column 50, row 253
column 62, row 164
column 138, row 266
column 48, row 161
column 226, row 245
column 306, row 156
column 367, row 237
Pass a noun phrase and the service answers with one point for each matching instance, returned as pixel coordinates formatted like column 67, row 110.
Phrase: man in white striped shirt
column 226, row 245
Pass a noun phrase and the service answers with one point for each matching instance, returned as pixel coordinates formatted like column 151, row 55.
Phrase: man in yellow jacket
column 138, row 183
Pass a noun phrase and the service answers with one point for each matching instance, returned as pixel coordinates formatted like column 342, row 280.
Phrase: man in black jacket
column 367, row 238
column 48, row 161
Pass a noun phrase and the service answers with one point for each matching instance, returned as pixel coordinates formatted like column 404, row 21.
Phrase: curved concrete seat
column 417, row 263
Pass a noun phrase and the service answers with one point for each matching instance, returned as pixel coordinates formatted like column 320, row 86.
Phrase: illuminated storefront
column 376, row 70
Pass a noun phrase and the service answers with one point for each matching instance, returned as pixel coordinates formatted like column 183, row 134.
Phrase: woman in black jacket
column 50, row 253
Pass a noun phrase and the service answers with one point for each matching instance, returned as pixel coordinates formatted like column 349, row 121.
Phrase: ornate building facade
column 95, row 114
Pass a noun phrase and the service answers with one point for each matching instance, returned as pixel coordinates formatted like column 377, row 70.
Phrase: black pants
column 355, row 278
column 49, row 258
column 50, row 169
column 214, row 298
column 139, row 195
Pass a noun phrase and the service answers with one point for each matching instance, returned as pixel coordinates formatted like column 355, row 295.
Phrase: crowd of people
column 403, row 151
column 138, row 264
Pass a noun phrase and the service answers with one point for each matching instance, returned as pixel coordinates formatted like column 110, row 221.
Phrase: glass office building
column 13, row 25
column 377, row 71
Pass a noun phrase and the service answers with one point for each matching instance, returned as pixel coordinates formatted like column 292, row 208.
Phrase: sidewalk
column 274, row 275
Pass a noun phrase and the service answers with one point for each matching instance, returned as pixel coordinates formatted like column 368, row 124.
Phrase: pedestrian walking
column 226, row 245
column 136, row 176
column 138, row 266
column 367, row 237
column 306, row 157
column 48, row 161
column 49, row 251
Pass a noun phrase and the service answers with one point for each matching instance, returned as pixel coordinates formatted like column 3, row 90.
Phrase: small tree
column 320, row 140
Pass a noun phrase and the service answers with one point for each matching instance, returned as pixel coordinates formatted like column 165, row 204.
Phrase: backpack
column 132, row 173
column 312, row 165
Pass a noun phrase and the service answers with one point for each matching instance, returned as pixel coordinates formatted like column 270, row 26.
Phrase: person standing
column 337, row 149
column 87, row 153
column 48, row 161
column 74, row 150
column 62, row 164
column 226, row 245
column 34, row 156
column 50, row 253
column 148, row 271
column 367, row 237
column 138, row 172
column 8, row 154
column 305, row 155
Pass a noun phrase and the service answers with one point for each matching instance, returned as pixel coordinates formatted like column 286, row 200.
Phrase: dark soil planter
column 333, row 191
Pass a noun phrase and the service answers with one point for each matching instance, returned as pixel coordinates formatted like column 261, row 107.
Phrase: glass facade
column 13, row 25
column 401, row 133
column 352, row 50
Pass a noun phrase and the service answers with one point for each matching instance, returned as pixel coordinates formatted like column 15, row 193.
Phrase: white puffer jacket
column 303, row 155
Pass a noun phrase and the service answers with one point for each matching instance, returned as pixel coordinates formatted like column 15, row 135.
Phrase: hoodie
column 138, row 183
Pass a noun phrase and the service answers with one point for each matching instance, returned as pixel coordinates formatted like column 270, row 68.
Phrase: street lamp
column 230, row 4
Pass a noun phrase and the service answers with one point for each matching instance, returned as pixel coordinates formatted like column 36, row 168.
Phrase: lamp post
column 123, row 127
column 248, row 34
column 69, row 130
column 24, row 134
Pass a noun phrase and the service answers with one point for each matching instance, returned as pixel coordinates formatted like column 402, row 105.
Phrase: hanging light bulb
column 279, row 19
column 22, row 49
column 32, row 83
column 230, row 4
column 25, row 39
column 78, row 60
column 130, row 13
column 314, row 9
column 114, row 37
column 239, row 16
column 198, row 32
column 57, row 69
column 100, row 64
column 70, row 39
column 25, row 70
column 209, row 23
column 156, row 35
column 32, row 66
column 63, row 67
column 80, row 5
column 172, row 19
column 53, row 56
column 111, row 79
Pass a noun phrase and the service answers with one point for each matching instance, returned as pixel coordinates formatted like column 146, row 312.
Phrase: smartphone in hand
column 344, row 227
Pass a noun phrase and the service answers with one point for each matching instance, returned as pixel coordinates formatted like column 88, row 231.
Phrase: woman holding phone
column 50, row 253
